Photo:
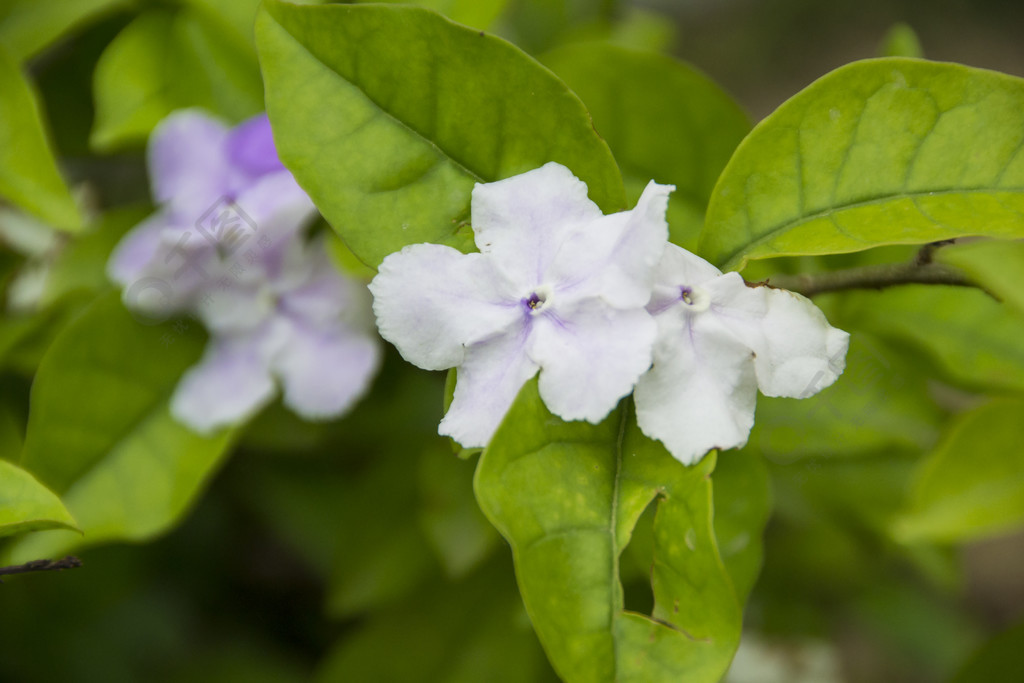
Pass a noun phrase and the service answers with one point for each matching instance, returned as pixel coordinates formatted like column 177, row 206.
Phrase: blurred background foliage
column 355, row 551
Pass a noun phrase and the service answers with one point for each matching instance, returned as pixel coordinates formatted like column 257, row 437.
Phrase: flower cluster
column 228, row 246
column 598, row 305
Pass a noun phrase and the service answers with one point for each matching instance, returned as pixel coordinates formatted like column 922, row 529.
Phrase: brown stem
column 41, row 566
column 922, row 270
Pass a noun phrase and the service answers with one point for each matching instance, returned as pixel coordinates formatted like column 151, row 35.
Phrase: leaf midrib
column 736, row 255
column 391, row 117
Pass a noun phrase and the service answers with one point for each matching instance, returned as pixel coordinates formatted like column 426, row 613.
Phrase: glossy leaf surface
column 388, row 115
column 884, row 151
column 567, row 497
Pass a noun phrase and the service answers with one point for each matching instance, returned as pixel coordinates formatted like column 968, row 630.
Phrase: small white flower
column 718, row 342
column 557, row 287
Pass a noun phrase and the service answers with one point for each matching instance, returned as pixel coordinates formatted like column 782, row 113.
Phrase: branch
column 42, row 566
column 920, row 271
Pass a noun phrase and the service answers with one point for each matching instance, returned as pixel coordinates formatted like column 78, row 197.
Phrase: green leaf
column 567, row 496
column 996, row 265
column 901, row 41
column 387, row 115
column 27, row 505
column 743, row 503
column 478, row 14
column 28, row 170
column 883, row 151
column 880, row 402
column 663, row 120
column 972, row 486
column 28, row 26
column 100, row 432
column 972, row 339
column 998, row 661
column 172, row 59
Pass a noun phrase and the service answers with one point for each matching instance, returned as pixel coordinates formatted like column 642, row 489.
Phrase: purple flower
column 557, row 288
column 227, row 245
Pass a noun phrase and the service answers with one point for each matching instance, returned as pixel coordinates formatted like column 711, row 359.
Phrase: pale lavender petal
column 590, row 356
column 250, row 147
column 487, row 384
column 432, row 302
column 229, row 385
column 136, row 251
column 311, row 289
column 232, row 308
column 324, row 372
column 274, row 206
column 522, row 220
column 700, row 393
column 187, row 165
column 615, row 257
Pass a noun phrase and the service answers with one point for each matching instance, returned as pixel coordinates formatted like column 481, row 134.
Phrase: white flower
column 557, row 287
column 718, row 342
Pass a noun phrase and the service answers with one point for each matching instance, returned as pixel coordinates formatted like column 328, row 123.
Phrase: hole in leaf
column 636, row 562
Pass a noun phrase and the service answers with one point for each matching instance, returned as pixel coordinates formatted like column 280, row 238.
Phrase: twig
column 921, row 270
column 41, row 566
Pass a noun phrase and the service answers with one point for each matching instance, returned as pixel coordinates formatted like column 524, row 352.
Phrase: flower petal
column 275, row 206
column 250, row 147
column 701, row 391
column 487, row 384
column 615, row 257
column 137, row 249
column 187, row 165
column 522, row 220
column 799, row 353
column 324, row 372
column 432, row 301
column 796, row 352
column 590, row 356
column 229, row 384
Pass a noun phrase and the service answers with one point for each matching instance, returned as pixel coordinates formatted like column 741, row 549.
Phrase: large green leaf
column 973, row 484
column 100, row 432
column 663, row 120
column 28, row 171
column 883, row 151
column 972, row 339
column 474, row 13
column 997, row 265
column 171, row 59
column 27, row 505
column 387, row 115
column 567, row 496
column 27, row 26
